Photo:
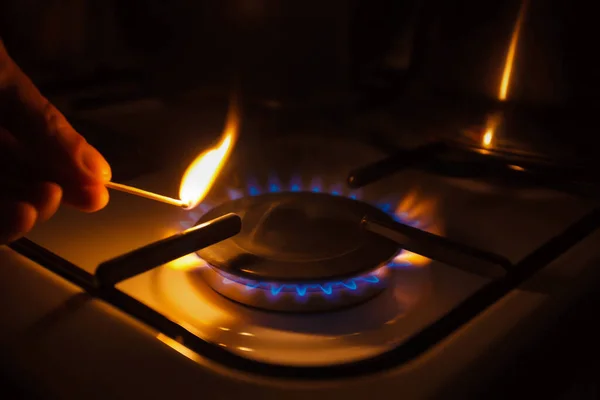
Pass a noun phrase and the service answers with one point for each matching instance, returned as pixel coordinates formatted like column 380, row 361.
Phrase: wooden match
column 146, row 194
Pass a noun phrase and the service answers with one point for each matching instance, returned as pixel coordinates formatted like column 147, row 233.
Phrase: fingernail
column 96, row 165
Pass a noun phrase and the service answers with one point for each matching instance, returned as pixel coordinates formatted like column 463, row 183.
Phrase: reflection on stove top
column 284, row 292
column 361, row 298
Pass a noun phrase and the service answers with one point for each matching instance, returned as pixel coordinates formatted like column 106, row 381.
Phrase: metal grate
column 427, row 244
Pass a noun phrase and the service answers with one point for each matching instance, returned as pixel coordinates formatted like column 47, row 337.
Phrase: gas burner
column 297, row 297
column 299, row 251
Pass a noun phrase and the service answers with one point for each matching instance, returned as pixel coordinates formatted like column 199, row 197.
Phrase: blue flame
column 305, row 290
column 253, row 191
column 316, row 185
column 235, row 194
column 274, row 184
column 386, row 207
column 295, row 184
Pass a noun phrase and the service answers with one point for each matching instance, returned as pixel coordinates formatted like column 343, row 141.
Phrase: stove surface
column 419, row 292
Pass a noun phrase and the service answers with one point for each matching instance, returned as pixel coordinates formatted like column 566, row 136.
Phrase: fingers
column 89, row 198
column 45, row 198
column 15, row 167
column 54, row 150
column 74, row 159
column 26, row 207
column 36, row 204
column 21, row 207
column 47, row 133
column 17, row 218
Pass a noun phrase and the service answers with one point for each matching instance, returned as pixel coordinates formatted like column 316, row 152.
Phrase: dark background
column 121, row 70
column 277, row 49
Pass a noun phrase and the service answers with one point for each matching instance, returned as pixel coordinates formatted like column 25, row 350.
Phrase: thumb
column 35, row 122
column 73, row 158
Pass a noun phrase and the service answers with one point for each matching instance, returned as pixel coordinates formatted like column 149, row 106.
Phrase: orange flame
column 417, row 208
column 203, row 171
column 510, row 55
column 488, row 136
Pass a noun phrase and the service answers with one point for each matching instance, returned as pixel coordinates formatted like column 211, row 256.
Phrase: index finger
column 31, row 118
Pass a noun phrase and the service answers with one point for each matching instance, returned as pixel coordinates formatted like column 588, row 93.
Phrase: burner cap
column 298, row 237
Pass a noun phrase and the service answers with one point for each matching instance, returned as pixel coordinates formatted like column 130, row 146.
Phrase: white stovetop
column 82, row 348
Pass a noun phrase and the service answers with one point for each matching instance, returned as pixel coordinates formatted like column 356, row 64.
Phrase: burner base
column 299, row 237
column 299, row 251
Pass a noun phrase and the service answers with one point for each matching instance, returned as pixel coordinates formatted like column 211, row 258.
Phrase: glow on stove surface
column 343, row 335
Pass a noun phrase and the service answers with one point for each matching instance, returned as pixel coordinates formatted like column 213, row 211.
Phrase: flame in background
column 488, row 136
column 493, row 121
column 510, row 54
column 413, row 209
column 203, row 171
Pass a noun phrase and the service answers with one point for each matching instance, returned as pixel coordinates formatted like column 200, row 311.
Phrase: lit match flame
column 203, row 171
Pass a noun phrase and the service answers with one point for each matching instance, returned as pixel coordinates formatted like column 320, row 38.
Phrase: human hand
column 43, row 161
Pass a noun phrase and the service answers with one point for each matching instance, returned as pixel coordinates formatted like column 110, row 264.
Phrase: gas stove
column 420, row 283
